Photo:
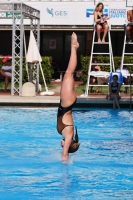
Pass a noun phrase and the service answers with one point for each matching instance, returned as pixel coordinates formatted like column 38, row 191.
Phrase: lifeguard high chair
column 109, row 53
column 125, row 48
column 129, row 5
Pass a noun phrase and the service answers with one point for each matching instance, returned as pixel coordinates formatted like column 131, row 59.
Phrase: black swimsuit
column 114, row 88
column 60, row 114
column 99, row 23
column 130, row 24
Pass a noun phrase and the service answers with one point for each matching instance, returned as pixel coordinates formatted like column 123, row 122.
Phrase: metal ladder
column 122, row 60
column 124, row 53
column 110, row 54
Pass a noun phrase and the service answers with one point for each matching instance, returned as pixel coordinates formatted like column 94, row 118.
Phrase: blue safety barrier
column 119, row 74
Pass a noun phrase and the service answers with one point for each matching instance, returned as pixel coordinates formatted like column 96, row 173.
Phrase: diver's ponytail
column 76, row 135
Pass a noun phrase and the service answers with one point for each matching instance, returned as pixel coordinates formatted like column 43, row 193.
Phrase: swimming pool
column 30, row 162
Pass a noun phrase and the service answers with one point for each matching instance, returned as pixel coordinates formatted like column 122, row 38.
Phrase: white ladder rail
column 111, row 54
column 111, row 63
column 124, row 46
column 123, row 52
column 90, row 63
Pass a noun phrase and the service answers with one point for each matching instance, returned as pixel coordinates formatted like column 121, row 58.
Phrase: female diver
column 65, row 124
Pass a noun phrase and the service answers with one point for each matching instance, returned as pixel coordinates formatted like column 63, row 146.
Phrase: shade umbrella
column 33, row 56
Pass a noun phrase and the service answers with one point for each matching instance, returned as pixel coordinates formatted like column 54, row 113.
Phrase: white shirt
column 123, row 71
column 7, row 68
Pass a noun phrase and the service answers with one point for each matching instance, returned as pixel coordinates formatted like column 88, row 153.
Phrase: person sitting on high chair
column 6, row 72
column 129, row 26
column 100, row 21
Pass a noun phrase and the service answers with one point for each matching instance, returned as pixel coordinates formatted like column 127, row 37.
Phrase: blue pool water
column 30, row 156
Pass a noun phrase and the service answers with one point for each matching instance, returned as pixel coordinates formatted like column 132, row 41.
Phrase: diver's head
column 74, row 144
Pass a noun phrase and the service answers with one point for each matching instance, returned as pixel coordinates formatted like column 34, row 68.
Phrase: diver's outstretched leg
column 67, row 89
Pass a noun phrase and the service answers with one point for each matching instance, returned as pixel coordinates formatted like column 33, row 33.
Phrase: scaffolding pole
column 18, row 12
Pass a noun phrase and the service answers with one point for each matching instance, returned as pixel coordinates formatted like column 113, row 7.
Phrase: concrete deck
column 53, row 101
column 92, row 100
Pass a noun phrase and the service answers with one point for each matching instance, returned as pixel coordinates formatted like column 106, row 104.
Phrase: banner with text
column 73, row 13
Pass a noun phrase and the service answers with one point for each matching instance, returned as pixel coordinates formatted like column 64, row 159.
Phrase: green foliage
column 46, row 67
column 103, row 59
column 84, row 67
column 24, row 76
column 1, row 63
column 80, row 89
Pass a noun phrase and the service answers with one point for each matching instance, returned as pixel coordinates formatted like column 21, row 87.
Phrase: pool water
column 30, row 156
